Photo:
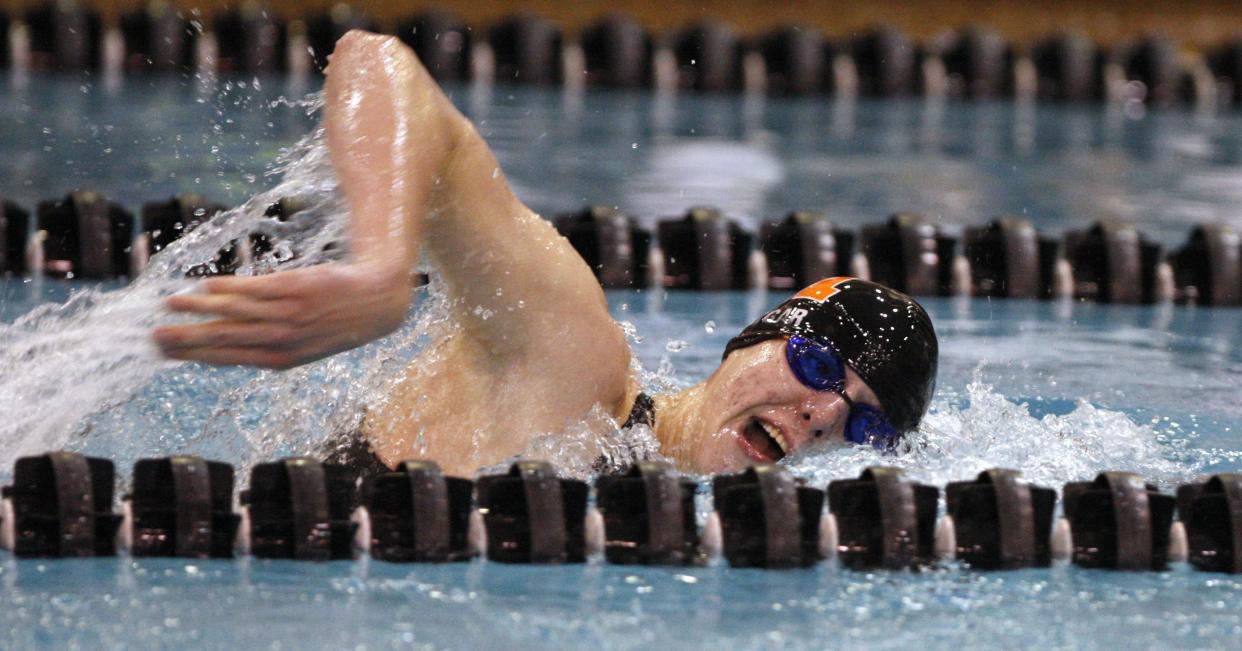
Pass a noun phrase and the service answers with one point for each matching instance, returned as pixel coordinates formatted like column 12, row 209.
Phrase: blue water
column 960, row 163
column 1059, row 390
column 1174, row 368
column 341, row 605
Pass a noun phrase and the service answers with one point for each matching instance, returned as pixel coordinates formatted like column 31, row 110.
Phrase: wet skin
column 754, row 409
column 535, row 348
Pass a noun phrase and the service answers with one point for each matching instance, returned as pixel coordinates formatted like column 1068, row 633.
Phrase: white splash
column 956, row 443
column 588, row 447
column 69, row 374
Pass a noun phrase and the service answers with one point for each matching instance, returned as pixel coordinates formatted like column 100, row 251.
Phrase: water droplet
column 675, row 345
column 710, row 327
column 634, row 145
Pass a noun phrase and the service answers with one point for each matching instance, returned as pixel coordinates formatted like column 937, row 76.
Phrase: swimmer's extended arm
column 375, row 109
column 417, row 176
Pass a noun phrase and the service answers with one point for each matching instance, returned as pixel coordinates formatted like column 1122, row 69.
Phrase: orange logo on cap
column 822, row 290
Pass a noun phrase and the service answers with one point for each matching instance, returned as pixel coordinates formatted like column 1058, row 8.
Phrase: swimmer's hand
column 390, row 132
column 289, row 318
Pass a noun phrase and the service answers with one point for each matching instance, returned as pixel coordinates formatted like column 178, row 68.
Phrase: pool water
column 1058, row 390
column 342, row 605
column 1061, row 166
column 1164, row 405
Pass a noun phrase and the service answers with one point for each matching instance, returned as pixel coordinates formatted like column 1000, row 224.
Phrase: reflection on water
column 167, row 603
column 1059, row 390
column 655, row 154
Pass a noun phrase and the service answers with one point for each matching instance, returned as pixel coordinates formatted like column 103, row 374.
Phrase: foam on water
column 956, row 442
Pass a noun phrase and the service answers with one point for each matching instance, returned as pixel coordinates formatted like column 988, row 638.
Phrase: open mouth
column 764, row 441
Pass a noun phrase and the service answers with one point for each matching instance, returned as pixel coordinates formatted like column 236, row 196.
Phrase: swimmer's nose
column 824, row 415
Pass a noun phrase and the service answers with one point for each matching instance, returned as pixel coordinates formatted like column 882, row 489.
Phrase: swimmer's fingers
column 225, row 334
column 232, row 306
column 269, row 287
column 236, row 356
column 289, row 317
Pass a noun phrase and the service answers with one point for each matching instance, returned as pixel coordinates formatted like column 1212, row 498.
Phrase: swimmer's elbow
column 358, row 47
column 357, row 39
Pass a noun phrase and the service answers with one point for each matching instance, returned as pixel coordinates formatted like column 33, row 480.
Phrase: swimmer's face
column 754, row 410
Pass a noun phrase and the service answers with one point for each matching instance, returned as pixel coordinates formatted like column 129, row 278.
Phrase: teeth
column 776, row 436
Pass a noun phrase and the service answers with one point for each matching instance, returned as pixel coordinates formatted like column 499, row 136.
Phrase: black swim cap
column 881, row 333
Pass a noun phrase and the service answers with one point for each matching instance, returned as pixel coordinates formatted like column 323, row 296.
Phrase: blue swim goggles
column 819, row 367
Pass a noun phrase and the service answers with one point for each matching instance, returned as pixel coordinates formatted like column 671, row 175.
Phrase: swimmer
column 844, row 361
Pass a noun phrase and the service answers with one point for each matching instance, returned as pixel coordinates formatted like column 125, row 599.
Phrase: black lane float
column 709, row 57
column 649, row 516
column 1119, row 522
column 767, row 518
column 1067, row 68
column 617, row 53
column 1154, row 62
column 1225, row 63
column 615, row 248
column 14, row 224
column 6, row 46
column 442, row 42
column 182, row 506
column 299, row 508
column 60, row 505
column 533, row 516
column 978, row 64
column 164, row 222
column 1207, row 269
column 527, row 49
column 86, row 237
column 64, row 37
column 797, row 61
column 885, row 61
column 419, row 515
column 803, row 248
column 1212, row 514
column 1113, row 262
column 1000, row 521
column 910, row 254
column 1005, row 260
column 251, row 40
column 703, row 250
column 159, row 38
column 883, row 519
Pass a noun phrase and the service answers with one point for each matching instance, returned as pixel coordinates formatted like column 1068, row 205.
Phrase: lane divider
column 617, row 52
column 85, row 236
column 61, row 505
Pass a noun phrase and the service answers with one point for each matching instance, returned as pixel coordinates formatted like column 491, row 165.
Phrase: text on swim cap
column 790, row 316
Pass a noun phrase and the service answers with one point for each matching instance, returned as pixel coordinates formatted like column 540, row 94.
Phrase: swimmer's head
column 843, row 361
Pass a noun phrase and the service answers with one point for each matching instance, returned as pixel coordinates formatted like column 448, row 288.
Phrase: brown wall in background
column 1194, row 23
